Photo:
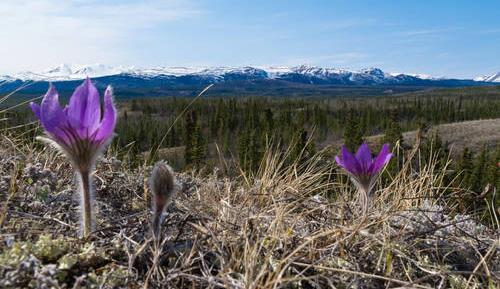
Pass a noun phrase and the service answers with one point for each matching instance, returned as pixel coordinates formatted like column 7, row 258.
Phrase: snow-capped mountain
column 306, row 73
column 246, row 80
column 67, row 72
column 301, row 73
column 489, row 78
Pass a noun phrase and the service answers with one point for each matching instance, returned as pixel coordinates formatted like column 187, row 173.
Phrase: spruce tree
column 464, row 167
column 195, row 152
column 393, row 132
column 492, row 169
column 478, row 171
column 255, row 150
column 188, row 138
column 243, row 148
column 269, row 122
column 353, row 137
column 302, row 148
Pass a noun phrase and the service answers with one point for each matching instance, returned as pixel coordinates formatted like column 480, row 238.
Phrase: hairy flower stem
column 364, row 202
column 157, row 218
column 84, row 179
column 363, row 196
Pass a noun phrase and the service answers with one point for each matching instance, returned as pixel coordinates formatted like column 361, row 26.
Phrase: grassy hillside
column 287, row 226
column 471, row 92
column 472, row 134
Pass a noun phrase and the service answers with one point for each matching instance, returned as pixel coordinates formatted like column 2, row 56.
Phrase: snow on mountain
column 172, row 71
column 417, row 75
column 71, row 72
column 67, row 72
column 489, row 78
column 301, row 73
column 275, row 80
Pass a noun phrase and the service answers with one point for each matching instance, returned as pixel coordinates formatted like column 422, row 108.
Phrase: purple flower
column 79, row 129
column 81, row 132
column 362, row 168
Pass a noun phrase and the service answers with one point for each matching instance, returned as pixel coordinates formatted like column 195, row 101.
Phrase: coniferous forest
column 198, row 132
column 220, row 132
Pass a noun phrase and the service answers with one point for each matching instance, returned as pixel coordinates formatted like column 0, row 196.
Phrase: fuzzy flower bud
column 163, row 187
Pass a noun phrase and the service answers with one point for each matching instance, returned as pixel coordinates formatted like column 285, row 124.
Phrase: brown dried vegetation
column 284, row 227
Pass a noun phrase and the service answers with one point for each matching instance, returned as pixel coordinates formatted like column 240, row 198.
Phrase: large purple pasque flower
column 79, row 129
column 81, row 132
column 363, row 169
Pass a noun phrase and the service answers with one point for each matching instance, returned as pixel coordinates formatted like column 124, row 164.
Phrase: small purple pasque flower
column 81, row 132
column 363, row 169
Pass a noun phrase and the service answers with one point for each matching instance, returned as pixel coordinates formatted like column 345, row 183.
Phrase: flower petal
column 51, row 114
column 339, row 161
column 108, row 123
column 36, row 109
column 351, row 164
column 381, row 160
column 364, row 156
column 84, row 110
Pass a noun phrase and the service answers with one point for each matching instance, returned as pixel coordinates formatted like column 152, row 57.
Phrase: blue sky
column 442, row 38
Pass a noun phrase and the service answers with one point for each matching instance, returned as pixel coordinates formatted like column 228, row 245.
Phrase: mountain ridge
column 73, row 72
column 300, row 80
column 495, row 77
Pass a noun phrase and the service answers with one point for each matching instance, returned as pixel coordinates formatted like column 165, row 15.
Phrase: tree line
column 239, row 129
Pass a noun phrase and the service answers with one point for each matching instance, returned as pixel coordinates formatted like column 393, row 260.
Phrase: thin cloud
column 343, row 24
column 337, row 59
column 47, row 32
column 425, row 32
column 489, row 31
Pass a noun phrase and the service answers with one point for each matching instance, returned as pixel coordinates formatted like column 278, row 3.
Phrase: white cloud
column 38, row 34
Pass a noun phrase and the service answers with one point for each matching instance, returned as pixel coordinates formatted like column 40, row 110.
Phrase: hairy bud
column 163, row 187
